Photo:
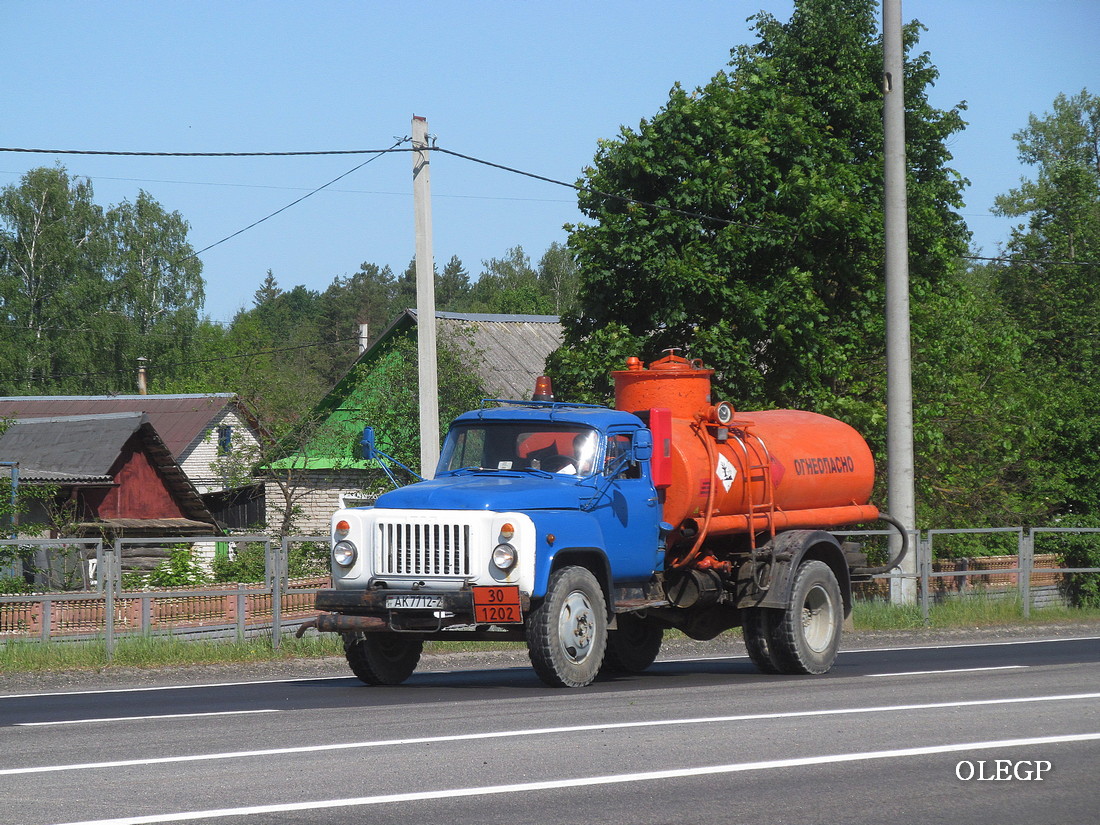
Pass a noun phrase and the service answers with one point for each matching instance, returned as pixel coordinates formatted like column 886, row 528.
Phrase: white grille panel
column 422, row 549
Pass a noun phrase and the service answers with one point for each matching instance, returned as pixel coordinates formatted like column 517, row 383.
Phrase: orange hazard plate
column 497, row 605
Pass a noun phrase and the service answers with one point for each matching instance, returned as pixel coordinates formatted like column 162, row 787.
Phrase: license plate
column 497, row 605
column 413, row 602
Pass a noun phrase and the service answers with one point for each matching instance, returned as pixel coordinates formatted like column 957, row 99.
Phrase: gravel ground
column 730, row 644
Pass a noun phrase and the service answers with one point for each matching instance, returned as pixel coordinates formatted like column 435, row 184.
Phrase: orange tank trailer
column 724, row 472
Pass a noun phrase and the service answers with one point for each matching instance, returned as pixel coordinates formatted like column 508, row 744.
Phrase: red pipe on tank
column 820, row 517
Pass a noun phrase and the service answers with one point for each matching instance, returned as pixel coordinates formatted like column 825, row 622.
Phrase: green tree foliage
column 85, row 291
column 762, row 251
column 452, row 286
column 52, row 254
column 510, row 284
column 558, row 277
column 1049, row 285
column 977, row 428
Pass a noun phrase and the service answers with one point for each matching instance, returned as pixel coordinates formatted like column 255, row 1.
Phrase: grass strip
column 24, row 656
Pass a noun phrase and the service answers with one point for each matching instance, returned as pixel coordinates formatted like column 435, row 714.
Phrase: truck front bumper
column 347, row 611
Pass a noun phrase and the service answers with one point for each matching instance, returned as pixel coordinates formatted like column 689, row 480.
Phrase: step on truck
column 587, row 531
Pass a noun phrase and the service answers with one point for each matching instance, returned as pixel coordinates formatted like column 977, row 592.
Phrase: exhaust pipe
column 339, row 623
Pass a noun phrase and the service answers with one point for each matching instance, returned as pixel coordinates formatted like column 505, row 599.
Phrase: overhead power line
column 377, row 152
column 205, row 154
column 580, row 188
column 396, row 147
column 377, row 155
column 55, row 376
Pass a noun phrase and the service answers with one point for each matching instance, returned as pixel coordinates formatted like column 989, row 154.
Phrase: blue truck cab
column 522, row 492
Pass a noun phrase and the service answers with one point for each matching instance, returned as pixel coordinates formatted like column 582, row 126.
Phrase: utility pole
column 425, row 301
column 901, row 499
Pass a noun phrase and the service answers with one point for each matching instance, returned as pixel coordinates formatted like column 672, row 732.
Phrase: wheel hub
column 575, row 626
column 818, row 619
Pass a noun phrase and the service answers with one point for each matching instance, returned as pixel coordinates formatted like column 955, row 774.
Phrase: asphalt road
column 890, row 735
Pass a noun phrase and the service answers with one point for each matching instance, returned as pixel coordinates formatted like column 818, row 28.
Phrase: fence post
column 242, row 611
column 146, row 614
column 274, row 579
column 47, row 618
column 109, row 601
column 1026, row 557
column 924, row 565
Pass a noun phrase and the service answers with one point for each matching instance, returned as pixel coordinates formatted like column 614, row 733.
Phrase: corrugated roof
column 178, row 419
column 506, row 352
column 80, row 445
column 84, row 449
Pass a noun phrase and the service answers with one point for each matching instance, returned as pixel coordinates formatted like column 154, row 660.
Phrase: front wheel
column 806, row 637
column 567, row 632
column 382, row 658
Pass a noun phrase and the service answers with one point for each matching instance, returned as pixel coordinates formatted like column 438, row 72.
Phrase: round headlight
column 344, row 553
column 504, row 556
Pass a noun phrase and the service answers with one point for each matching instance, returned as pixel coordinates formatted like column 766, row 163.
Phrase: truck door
column 629, row 514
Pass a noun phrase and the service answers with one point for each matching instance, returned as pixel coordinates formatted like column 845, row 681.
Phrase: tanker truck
column 589, row 531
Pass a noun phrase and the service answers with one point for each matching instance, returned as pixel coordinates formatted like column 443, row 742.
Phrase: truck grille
column 417, row 549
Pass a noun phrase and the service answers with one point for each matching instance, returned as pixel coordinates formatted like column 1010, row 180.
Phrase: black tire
column 382, row 658
column 807, row 636
column 567, row 632
column 634, row 646
column 758, row 624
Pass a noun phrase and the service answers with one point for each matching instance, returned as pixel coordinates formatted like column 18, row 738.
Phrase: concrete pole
column 425, row 302
column 901, row 499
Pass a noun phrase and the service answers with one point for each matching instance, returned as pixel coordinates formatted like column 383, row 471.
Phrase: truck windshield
column 501, row 445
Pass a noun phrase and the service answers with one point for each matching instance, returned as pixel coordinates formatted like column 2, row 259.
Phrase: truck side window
column 617, row 447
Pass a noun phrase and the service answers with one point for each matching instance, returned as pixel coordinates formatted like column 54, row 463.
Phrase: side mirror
column 643, row 445
column 370, row 452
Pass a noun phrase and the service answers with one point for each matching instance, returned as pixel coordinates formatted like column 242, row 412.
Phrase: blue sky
column 532, row 85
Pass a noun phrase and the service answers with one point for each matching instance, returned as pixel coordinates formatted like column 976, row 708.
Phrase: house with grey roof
column 109, row 475
column 504, row 352
column 197, row 430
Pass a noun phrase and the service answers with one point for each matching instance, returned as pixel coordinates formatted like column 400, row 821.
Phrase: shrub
column 181, row 569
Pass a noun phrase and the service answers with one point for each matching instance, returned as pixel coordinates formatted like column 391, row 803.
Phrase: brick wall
column 319, row 496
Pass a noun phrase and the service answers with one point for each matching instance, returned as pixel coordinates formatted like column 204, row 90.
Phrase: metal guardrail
column 106, row 610
column 998, row 569
column 246, row 609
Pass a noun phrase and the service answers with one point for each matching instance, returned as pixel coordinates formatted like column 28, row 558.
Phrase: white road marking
column 951, row 670
column 589, row 781
column 508, row 734
column 143, row 718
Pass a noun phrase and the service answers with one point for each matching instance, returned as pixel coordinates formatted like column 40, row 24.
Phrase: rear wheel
column 567, row 632
column 757, row 625
column 634, row 646
column 382, row 658
column 807, row 636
